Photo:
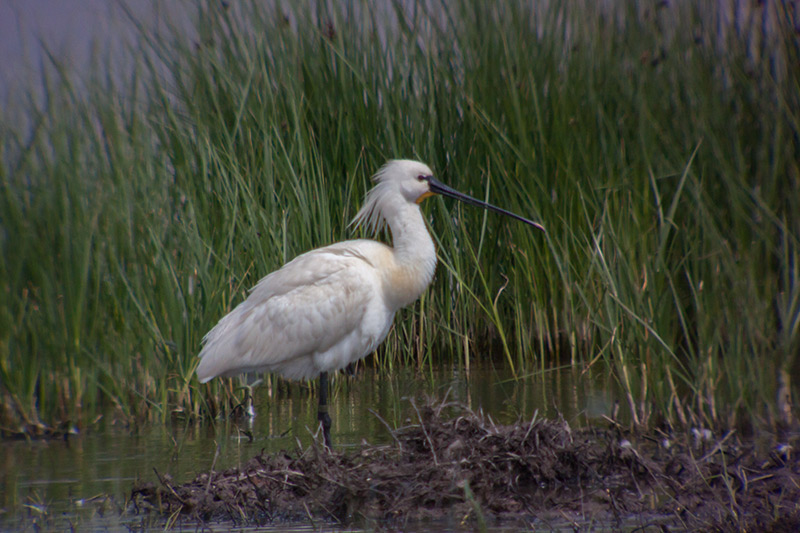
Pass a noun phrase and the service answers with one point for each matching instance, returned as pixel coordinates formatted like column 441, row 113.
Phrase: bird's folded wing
column 309, row 305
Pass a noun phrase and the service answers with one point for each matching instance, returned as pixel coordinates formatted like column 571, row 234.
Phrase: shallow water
column 87, row 478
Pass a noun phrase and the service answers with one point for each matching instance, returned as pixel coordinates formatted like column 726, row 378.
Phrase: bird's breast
column 404, row 284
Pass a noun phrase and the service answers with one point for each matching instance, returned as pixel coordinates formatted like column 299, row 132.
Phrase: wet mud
column 458, row 466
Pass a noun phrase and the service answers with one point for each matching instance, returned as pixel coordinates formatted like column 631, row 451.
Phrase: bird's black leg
column 322, row 413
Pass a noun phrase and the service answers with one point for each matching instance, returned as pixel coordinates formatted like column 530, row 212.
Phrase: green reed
column 663, row 163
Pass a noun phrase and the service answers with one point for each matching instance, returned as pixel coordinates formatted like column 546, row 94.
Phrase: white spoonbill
column 334, row 305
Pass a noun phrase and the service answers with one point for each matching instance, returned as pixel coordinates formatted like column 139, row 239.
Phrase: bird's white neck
column 414, row 254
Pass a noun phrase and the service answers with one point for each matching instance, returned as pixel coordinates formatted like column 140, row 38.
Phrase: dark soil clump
column 469, row 469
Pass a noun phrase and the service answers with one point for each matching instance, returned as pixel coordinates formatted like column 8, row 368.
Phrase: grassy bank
column 660, row 151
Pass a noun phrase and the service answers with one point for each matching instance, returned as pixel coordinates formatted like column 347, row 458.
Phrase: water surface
column 87, row 478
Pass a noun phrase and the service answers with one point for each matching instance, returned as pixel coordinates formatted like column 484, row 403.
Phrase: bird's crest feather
column 370, row 216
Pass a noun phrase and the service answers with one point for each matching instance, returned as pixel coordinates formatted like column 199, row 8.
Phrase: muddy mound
column 469, row 469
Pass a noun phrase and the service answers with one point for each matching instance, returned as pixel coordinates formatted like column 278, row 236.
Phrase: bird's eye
column 423, row 177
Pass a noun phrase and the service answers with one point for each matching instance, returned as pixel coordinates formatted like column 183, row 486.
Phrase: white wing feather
column 318, row 312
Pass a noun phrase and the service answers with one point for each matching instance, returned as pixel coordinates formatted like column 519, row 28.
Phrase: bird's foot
column 325, row 421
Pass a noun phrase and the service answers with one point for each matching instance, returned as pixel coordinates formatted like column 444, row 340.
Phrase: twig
column 391, row 431
column 310, row 517
column 443, row 403
column 531, row 424
column 425, row 431
column 211, row 470
column 169, row 486
column 717, row 447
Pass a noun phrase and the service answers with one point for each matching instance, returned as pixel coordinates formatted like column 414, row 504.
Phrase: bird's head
column 398, row 182
column 412, row 179
column 406, row 181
